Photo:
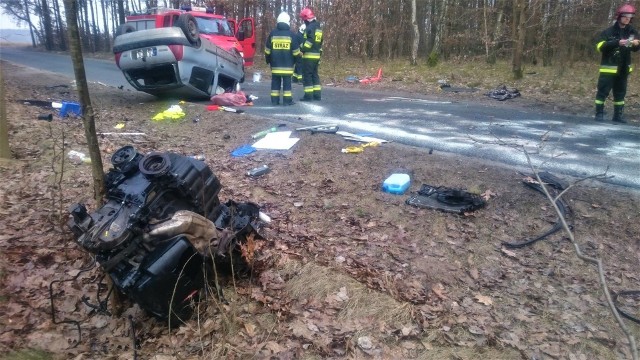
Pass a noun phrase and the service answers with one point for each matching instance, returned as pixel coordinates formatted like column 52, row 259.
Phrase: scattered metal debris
column 326, row 128
column 354, row 137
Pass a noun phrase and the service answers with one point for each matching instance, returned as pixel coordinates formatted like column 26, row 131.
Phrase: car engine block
column 162, row 271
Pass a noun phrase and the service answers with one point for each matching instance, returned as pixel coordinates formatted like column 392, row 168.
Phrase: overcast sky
column 7, row 22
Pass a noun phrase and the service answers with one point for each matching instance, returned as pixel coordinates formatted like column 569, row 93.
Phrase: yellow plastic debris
column 172, row 113
column 119, row 126
column 359, row 149
column 353, row 149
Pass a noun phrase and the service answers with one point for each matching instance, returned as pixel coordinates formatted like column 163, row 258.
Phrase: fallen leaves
column 509, row 253
column 438, row 289
column 485, row 300
column 488, row 194
column 326, row 211
column 250, row 329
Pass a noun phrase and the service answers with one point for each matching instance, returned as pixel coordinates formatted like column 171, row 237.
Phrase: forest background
column 522, row 32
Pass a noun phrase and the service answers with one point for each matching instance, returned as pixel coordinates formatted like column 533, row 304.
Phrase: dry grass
column 317, row 282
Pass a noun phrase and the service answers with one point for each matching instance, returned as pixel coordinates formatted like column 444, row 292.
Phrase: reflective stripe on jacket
column 614, row 56
column 280, row 50
column 312, row 47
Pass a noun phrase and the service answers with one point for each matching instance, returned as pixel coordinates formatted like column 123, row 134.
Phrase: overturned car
column 176, row 60
column 163, row 233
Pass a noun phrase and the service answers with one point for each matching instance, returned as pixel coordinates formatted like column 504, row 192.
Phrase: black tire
column 124, row 29
column 187, row 23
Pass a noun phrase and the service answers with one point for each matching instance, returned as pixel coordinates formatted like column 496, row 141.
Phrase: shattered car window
column 210, row 26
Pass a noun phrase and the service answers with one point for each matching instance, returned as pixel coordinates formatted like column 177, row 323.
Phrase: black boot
column 618, row 114
column 306, row 97
column 599, row 112
column 287, row 101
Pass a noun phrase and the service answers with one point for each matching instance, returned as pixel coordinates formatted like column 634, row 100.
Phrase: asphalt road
column 561, row 144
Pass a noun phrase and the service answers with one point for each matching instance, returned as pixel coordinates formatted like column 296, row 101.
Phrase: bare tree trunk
column 518, row 34
column 88, row 116
column 549, row 10
column 26, row 9
column 46, row 22
column 416, row 34
column 5, row 152
column 121, row 16
column 486, row 29
column 59, row 25
column 263, row 21
column 440, row 27
column 113, row 11
column 93, row 32
column 377, row 27
column 88, row 39
column 497, row 32
column 107, row 38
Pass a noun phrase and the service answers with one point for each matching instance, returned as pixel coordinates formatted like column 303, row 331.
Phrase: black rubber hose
column 555, row 228
column 617, row 304
column 53, row 309
column 557, row 185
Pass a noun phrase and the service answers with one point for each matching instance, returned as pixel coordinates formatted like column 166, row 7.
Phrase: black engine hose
column 617, row 304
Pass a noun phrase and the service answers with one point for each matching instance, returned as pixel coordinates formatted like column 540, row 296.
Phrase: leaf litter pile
column 352, row 271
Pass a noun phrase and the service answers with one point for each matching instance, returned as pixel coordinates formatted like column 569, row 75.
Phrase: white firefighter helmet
column 284, row 18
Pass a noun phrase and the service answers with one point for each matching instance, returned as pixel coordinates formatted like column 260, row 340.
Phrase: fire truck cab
column 226, row 33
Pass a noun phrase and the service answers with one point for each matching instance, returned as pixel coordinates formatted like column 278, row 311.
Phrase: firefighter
column 297, row 70
column 615, row 44
column 311, row 51
column 280, row 51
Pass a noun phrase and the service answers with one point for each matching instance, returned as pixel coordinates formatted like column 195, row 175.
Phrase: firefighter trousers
column 311, row 80
column 279, row 82
column 615, row 82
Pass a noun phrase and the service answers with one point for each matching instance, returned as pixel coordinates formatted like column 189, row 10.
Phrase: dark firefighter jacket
column 312, row 47
column 615, row 58
column 281, row 49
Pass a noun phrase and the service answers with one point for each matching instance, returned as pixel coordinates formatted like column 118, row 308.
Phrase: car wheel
column 124, row 29
column 187, row 23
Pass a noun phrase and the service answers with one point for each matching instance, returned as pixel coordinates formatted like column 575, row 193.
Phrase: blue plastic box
column 396, row 184
column 70, row 108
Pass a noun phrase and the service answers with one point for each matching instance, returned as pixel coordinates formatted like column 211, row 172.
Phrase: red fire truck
column 226, row 33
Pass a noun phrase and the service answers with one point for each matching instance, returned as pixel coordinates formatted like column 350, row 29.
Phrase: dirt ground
column 355, row 272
